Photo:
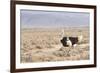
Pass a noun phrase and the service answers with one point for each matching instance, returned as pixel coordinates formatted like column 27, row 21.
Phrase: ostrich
column 70, row 41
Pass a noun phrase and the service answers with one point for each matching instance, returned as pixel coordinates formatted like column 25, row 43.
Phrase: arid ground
column 43, row 45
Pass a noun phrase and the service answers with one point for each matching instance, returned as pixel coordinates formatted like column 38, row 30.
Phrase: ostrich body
column 70, row 41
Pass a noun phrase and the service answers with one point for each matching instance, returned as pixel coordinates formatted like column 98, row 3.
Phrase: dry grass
column 39, row 45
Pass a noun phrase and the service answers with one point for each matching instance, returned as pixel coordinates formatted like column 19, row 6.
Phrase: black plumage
column 73, row 40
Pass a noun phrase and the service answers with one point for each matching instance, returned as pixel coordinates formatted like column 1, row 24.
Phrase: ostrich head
column 62, row 34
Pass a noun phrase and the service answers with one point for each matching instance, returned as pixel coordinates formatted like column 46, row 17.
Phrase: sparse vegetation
column 44, row 45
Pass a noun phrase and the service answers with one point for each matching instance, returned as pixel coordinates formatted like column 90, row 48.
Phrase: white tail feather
column 69, row 43
column 80, row 38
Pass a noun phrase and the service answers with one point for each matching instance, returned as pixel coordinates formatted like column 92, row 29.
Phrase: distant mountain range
column 51, row 19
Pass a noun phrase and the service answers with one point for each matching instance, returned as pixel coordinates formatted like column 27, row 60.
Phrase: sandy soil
column 40, row 45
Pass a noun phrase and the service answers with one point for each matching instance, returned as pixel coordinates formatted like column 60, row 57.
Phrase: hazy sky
column 32, row 18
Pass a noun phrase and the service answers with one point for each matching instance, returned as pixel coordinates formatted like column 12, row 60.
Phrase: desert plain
column 43, row 45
